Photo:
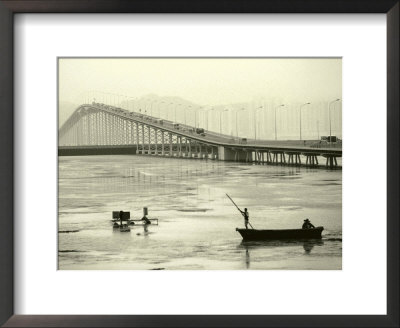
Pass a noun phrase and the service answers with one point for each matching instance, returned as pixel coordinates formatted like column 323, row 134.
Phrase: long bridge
column 96, row 127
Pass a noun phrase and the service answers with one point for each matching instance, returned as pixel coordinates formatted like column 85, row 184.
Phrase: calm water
column 196, row 220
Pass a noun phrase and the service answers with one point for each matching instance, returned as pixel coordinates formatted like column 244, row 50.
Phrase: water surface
column 196, row 220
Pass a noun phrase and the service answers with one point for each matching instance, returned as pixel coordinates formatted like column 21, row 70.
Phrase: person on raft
column 307, row 224
column 146, row 222
column 121, row 214
column 246, row 217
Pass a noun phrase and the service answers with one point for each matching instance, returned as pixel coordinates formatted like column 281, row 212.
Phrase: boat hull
column 254, row 234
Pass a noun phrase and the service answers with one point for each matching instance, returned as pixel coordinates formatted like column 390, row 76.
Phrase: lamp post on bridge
column 184, row 113
column 330, row 126
column 255, row 121
column 168, row 110
column 220, row 120
column 133, row 103
column 237, row 111
column 159, row 105
column 175, row 111
column 207, row 110
column 103, row 97
column 195, row 117
column 275, row 119
column 301, row 106
column 200, row 108
column 151, row 106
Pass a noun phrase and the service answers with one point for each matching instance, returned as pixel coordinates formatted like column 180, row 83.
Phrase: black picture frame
column 10, row 7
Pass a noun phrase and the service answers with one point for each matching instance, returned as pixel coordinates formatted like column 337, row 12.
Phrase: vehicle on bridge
column 199, row 130
column 329, row 138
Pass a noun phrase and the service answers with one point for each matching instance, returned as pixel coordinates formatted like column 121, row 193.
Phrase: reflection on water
column 307, row 245
column 196, row 220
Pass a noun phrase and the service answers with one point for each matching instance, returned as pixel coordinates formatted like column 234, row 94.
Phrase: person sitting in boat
column 246, row 217
column 307, row 224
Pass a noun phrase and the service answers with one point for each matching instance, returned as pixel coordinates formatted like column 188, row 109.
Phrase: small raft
column 276, row 234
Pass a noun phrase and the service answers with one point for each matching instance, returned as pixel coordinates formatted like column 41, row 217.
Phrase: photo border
column 10, row 7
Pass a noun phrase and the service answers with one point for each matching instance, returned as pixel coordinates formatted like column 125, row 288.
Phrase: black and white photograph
column 220, row 163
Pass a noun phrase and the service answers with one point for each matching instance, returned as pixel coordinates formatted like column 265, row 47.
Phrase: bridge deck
column 99, row 126
column 214, row 138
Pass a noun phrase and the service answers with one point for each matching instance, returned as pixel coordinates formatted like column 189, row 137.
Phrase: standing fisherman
column 244, row 213
column 246, row 217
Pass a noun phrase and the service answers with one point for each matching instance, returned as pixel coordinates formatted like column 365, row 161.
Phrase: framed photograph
column 206, row 164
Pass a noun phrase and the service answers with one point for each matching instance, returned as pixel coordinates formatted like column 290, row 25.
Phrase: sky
column 206, row 81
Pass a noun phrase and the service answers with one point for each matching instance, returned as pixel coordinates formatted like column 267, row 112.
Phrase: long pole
column 238, row 208
column 301, row 106
column 233, row 203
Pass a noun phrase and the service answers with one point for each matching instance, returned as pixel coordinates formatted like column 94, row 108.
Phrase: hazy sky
column 204, row 81
column 247, row 82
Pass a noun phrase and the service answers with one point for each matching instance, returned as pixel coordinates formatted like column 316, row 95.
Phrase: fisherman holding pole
column 245, row 214
column 246, row 217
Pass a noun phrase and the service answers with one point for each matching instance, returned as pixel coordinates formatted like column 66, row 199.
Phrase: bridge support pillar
column 170, row 145
column 142, row 139
column 162, row 144
column 290, row 158
column 294, row 158
column 298, row 160
column 279, row 157
column 137, row 138
column 331, row 161
column 229, row 154
column 179, row 139
column 311, row 159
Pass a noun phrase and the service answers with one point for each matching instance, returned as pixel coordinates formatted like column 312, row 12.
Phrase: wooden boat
column 255, row 234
